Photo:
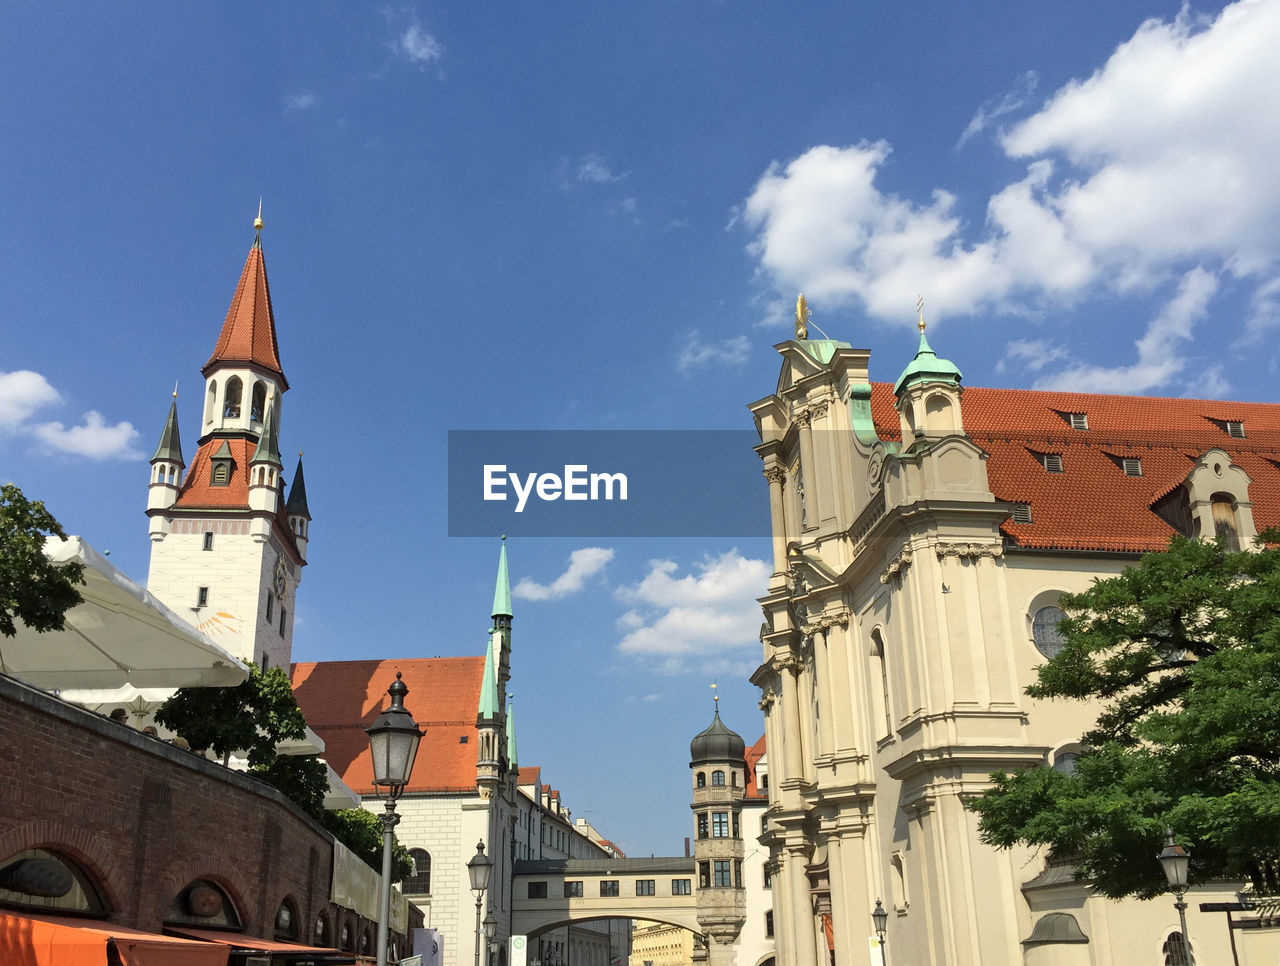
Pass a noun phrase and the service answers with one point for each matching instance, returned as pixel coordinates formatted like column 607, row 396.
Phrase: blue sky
column 597, row 216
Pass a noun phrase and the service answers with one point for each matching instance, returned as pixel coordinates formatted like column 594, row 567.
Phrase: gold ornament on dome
column 802, row 318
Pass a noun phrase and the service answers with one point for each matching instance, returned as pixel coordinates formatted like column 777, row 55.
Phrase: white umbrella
column 119, row 635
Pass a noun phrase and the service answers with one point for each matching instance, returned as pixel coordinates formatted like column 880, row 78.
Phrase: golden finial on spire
column 175, row 389
column 920, row 310
column 257, row 222
column 802, row 318
column 715, row 687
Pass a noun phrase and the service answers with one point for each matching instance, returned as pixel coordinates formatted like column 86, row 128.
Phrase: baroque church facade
column 922, row 533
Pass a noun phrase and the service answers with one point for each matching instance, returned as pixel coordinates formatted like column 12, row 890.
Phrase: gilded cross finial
column 802, row 318
column 715, row 687
column 920, row 310
column 175, row 389
column 257, row 222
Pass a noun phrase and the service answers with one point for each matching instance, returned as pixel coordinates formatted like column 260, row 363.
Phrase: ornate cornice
column 826, row 621
column 968, row 551
column 901, row 563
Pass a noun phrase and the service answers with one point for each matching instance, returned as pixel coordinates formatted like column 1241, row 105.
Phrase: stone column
column 822, row 669
column 803, row 929
column 808, row 470
column 793, row 743
column 776, row 475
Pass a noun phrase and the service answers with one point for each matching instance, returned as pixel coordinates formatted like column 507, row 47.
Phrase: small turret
column 166, row 472
column 296, row 508
column 717, row 758
column 491, row 753
column 265, row 468
column 928, row 394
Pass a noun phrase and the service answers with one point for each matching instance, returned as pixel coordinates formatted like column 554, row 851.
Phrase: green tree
column 1182, row 652
column 361, row 832
column 32, row 589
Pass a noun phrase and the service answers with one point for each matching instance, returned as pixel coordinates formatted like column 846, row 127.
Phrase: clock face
column 278, row 579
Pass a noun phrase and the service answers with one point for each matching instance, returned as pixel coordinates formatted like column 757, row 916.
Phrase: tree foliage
column 32, row 589
column 361, row 832
column 1182, row 652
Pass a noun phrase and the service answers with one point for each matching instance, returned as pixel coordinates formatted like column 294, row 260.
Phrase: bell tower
column 227, row 547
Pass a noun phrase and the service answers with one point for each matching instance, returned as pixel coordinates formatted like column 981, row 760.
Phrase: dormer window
column 1078, row 421
column 221, row 473
column 1131, row 466
column 1235, row 429
column 1052, row 462
column 1021, row 513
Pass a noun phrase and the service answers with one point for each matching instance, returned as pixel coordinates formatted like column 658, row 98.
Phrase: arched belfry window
column 259, row 404
column 702, row 779
column 232, row 398
column 1224, row 521
column 418, row 884
column 43, row 880
column 211, row 398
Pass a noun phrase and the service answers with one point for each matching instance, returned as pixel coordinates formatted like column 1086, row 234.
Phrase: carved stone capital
column 968, row 551
column 803, row 417
column 775, row 474
column 818, row 409
column 824, row 622
column 902, row 562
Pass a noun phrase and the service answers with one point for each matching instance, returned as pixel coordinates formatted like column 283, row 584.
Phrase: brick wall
column 144, row 819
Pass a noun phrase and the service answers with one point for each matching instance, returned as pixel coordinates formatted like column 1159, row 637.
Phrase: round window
column 1044, row 630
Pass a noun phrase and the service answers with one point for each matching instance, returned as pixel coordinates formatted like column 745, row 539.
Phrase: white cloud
column 705, row 616
column 1161, row 350
column 1031, row 355
column 696, row 352
column 21, row 394
column 1007, row 103
column 93, row 439
column 593, row 169
column 583, row 565
column 417, row 45
column 299, row 101
column 1156, row 164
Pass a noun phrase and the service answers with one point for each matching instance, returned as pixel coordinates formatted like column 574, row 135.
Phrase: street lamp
column 491, row 934
column 478, row 869
column 880, row 917
column 1176, row 861
column 393, row 744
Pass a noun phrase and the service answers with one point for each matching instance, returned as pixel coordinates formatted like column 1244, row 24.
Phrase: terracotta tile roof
column 249, row 332
column 1092, row 504
column 753, row 755
column 529, row 775
column 342, row 698
column 199, row 493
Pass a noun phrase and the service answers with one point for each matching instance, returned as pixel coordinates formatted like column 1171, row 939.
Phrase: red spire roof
column 249, row 332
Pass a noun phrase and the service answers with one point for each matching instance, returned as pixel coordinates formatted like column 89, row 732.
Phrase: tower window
column 702, row 779
column 270, row 608
column 259, row 402
column 232, row 398
column 283, row 614
column 717, row 778
column 208, row 540
column 704, row 875
column 720, row 825
column 702, row 825
column 723, row 873
column 202, row 597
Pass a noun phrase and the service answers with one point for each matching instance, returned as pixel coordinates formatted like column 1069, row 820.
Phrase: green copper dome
column 926, row 367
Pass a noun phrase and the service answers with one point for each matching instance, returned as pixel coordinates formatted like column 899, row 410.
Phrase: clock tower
column 228, row 547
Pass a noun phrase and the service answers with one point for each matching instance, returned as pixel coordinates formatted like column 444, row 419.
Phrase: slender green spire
column 170, row 447
column 268, row 450
column 511, row 737
column 502, row 591
column 489, row 686
column 297, row 505
column 926, row 367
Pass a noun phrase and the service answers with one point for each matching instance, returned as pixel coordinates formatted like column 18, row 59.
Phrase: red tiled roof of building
column 249, row 333
column 1093, row 504
column 342, row 698
column 753, row 756
column 199, row 493
column 609, row 846
column 529, row 775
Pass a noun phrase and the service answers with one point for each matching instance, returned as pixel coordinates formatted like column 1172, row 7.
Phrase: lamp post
column 491, row 935
column 393, row 744
column 1176, row 861
column 478, row 869
column 880, row 917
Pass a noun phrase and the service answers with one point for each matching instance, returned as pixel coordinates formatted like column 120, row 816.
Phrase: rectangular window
column 724, row 873
column 1078, row 420
column 702, row 825
column 737, row 828
column 737, row 873
column 768, row 924
column 202, row 597
column 271, row 611
column 537, row 890
column 1235, row 428
column 208, row 539
column 681, row 887
column 768, row 877
column 282, row 617
column 608, row 888
column 645, row 887
column 1131, row 466
column 573, row 890
column 720, row 825
column 1052, row 462
column 704, row 875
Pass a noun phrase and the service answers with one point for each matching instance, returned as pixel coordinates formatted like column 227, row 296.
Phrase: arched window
column 320, row 935
column 345, row 941
column 702, row 779
column 204, row 903
column 418, row 884
column 221, row 473
column 877, row 654
column 1044, row 630
column 1065, row 762
column 1175, row 951
column 1224, row 521
column 287, row 920
column 717, row 778
column 259, row 404
column 232, row 397
column 43, row 880
column 211, row 398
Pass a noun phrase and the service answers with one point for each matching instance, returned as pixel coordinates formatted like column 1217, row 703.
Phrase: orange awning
column 252, row 944
column 31, row 940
